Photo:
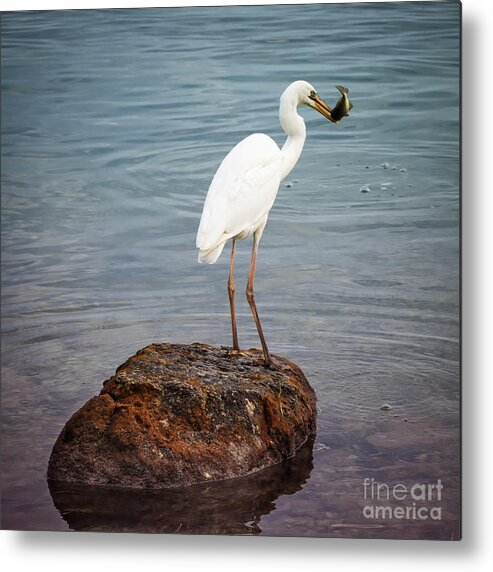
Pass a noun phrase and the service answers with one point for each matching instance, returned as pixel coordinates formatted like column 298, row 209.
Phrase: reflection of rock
column 232, row 506
column 175, row 415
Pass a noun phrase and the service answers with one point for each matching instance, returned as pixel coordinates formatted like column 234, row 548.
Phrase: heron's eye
column 313, row 94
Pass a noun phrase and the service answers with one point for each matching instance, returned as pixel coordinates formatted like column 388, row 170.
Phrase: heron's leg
column 251, row 299
column 231, row 292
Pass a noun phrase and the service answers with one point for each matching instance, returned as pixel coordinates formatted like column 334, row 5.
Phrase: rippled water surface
column 113, row 123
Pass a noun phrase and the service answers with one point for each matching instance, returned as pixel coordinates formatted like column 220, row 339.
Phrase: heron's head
column 303, row 93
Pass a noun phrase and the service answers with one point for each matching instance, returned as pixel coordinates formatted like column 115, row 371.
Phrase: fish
column 343, row 106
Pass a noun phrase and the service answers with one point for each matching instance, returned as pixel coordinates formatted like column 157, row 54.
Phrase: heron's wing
column 242, row 192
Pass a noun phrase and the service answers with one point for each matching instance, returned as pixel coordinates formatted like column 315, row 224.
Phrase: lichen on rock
column 175, row 415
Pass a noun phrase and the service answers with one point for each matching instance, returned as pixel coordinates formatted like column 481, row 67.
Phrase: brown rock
column 231, row 506
column 174, row 415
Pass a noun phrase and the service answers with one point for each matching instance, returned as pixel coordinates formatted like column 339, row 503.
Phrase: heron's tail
column 210, row 256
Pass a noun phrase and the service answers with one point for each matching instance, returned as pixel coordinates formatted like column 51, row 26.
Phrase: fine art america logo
column 418, row 501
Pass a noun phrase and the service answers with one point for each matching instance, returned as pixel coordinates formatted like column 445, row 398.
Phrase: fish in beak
column 343, row 106
column 319, row 104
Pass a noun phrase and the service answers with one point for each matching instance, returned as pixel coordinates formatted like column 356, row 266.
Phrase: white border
column 82, row 551
column 10, row 5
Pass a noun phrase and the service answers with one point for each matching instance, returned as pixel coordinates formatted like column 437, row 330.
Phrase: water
column 113, row 123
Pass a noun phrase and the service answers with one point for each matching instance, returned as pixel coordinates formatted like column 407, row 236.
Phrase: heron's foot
column 237, row 352
column 274, row 366
column 270, row 363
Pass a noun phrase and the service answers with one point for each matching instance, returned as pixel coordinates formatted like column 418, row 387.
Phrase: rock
column 385, row 407
column 231, row 506
column 175, row 415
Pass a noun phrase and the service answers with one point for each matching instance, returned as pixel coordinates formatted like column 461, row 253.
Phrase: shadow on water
column 233, row 506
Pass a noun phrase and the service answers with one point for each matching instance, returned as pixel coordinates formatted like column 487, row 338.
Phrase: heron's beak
column 320, row 105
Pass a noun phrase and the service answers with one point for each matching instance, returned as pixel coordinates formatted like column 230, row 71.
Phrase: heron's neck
column 294, row 127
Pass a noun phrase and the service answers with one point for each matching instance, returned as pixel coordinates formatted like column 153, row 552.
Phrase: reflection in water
column 233, row 506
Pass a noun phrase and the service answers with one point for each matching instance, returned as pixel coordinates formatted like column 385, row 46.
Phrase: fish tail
column 342, row 89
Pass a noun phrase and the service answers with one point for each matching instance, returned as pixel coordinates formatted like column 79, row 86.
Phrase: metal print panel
column 114, row 123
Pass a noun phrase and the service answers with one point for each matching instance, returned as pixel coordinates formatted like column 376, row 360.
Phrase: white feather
column 242, row 191
column 245, row 186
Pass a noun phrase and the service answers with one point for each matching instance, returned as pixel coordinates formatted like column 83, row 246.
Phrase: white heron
column 244, row 189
